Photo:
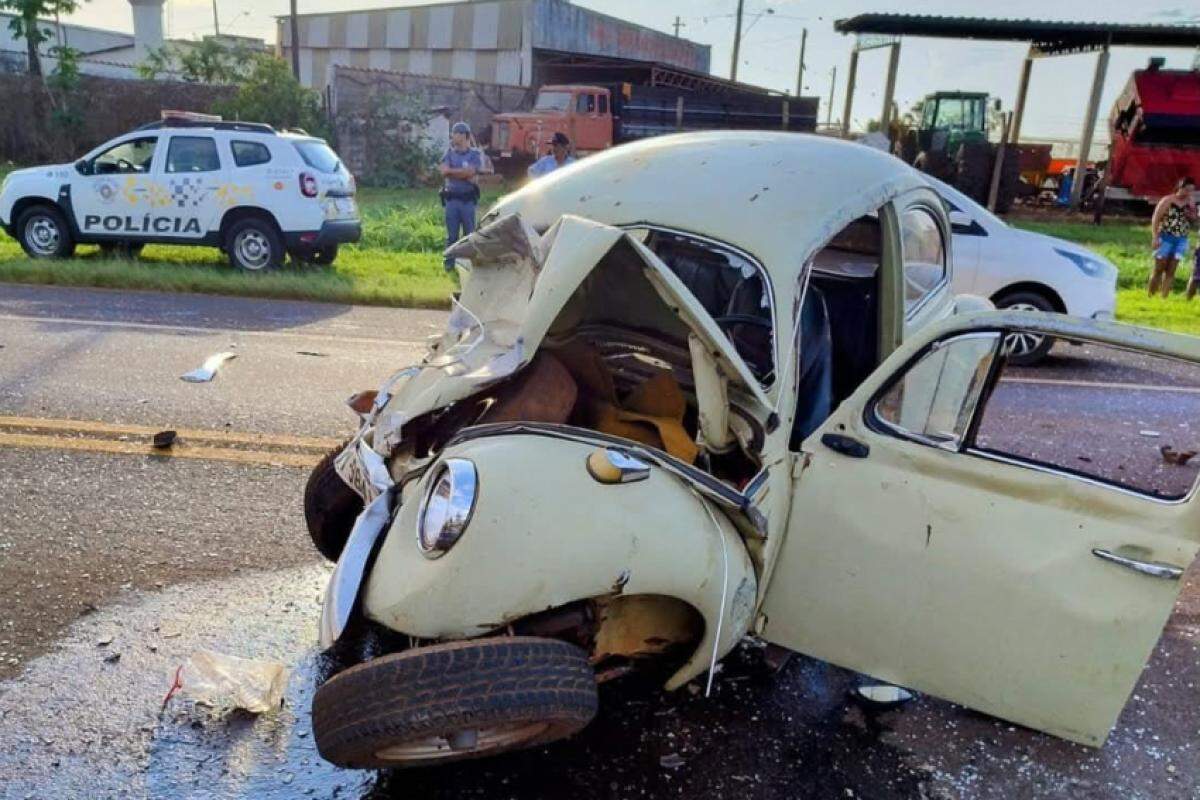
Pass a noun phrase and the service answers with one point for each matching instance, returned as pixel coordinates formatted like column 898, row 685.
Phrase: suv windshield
column 552, row 101
column 318, row 155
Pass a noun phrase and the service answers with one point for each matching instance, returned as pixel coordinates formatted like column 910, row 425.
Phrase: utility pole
column 294, row 22
column 216, row 20
column 679, row 24
column 800, row 74
column 737, row 41
column 832, row 86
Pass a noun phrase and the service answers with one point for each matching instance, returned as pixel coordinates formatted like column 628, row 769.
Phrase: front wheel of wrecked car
column 330, row 507
column 451, row 702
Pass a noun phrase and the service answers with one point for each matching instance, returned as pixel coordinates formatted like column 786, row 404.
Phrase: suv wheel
column 1026, row 349
column 43, row 233
column 254, row 245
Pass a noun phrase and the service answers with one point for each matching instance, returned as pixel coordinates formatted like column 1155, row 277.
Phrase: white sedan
column 1025, row 270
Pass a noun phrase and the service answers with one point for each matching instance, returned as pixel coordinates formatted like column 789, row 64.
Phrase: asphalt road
column 116, row 567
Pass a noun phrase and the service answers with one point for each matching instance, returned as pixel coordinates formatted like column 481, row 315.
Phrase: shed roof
column 1047, row 37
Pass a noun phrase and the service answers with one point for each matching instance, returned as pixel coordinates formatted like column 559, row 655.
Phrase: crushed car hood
column 517, row 285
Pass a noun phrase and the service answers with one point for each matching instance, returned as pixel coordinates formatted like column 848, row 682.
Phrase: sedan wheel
column 1026, row 349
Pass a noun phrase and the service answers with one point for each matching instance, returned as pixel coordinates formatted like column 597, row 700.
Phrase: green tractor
column 949, row 140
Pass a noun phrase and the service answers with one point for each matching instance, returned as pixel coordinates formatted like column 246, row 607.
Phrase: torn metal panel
column 508, row 303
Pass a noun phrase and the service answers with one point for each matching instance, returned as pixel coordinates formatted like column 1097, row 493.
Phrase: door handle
column 1155, row 569
column 846, row 445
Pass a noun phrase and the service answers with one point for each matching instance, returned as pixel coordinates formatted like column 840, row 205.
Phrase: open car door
column 1009, row 539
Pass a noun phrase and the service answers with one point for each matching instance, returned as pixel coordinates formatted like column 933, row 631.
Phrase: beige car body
column 882, row 564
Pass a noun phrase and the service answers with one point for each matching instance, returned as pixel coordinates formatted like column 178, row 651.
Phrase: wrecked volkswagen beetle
column 705, row 387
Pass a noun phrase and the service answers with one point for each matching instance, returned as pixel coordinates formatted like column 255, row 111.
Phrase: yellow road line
column 259, row 457
column 319, row 444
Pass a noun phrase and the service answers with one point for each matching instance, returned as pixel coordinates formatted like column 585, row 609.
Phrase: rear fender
column 544, row 534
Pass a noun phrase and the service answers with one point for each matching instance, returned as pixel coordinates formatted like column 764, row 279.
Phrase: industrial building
column 495, row 41
column 106, row 53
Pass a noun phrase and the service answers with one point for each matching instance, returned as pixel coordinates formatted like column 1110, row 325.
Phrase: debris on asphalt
column 1178, row 457
column 313, row 353
column 881, row 695
column 225, row 683
column 104, row 642
column 112, row 658
column 1151, row 434
column 671, row 761
column 164, row 439
column 208, row 371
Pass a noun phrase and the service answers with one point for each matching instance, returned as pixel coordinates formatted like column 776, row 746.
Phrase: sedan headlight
column 447, row 506
column 1092, row 267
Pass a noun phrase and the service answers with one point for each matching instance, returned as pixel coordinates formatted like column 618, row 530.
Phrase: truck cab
column 582, row 113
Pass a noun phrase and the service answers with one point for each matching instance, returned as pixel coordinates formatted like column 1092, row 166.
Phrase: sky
column 771, row 45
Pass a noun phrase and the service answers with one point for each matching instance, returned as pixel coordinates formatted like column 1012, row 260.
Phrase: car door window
column 732, row 288
column 603, row 104
column 1103, row 414
column 924, row 256
column 250, row 154
column 1130, row 420
column 190, row 154
column 936, row 398
column 132, row 157
column 586, row 103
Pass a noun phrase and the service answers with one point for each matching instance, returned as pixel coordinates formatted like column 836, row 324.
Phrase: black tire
column 124, row 250
column 253, row 244
column 43, row 233
column 1026, row 352
column 330, row 507
column 321, row 256
column 513, row 693
column 973, row 170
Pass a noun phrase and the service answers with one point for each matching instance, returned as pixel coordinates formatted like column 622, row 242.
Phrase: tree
column 24, row 24
column 208, row 61
column 270, row 93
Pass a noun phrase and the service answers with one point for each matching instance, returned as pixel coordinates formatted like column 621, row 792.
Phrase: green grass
column 398, row 262
column 1126, row 243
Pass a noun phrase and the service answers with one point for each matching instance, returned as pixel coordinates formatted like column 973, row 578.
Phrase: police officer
column 460, row 193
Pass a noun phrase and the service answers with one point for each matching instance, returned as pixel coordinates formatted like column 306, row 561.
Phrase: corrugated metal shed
column 1048, row 37
column 566, row 28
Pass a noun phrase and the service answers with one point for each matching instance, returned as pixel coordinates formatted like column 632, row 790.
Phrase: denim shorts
column 1171, row 246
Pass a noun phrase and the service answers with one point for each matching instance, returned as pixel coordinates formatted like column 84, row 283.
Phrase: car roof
column 777, row 196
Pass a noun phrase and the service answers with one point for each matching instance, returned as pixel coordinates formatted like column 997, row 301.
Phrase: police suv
column 256, row 193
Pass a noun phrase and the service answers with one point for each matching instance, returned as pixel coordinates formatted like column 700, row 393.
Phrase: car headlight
column 447, row 506
column 1092, row 267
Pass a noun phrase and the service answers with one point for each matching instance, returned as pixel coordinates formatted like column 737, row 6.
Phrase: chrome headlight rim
column 452, row 506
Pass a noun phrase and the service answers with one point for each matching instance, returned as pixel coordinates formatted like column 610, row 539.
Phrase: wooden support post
column 800, row 72
column 889, row 91
column 849, row 92
column 786, row 120
column 998, row 165
column 679, row 113
column 1089, row 125
column 1022, row 91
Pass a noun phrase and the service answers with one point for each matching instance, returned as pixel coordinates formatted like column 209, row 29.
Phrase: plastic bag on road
column 225, row 682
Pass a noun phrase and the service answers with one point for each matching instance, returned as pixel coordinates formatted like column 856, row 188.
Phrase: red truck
column 1155, row 133
column 597, row 116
